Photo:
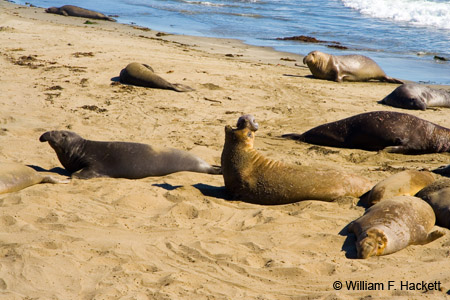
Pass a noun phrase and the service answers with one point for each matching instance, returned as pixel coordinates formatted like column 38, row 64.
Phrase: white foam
column 416, row 12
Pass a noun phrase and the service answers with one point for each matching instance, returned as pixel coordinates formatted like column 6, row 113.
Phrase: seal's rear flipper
column 392, row 80
column 434, row 235
column 51, row 179
column 216, row 170
column 181, row 87
column 292, row 136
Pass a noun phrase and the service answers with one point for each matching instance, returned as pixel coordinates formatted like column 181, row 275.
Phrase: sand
column 179, row 236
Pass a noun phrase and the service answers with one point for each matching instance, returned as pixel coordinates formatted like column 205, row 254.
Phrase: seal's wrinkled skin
column 345, row 68
column 380, row 130
column 251, row 177
column 88, row 159
column 437, row 195
column 143, row 75
column 393, row 224
column 405, row 183
column 417, row 96
column 14, row 177
column 75, row 11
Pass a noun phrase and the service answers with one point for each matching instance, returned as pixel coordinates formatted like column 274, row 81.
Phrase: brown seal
column 88, row 159
column 251, row 177
column 75, row 11
column 143, row 75
column 380, row 130
column 437, row 195
column 14, row 177
column 392, row 225
column 345, row 67
column 405, row 183
column 417, row 96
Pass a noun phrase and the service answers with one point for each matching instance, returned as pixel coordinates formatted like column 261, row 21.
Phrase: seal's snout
column 247, row 121
column 44, row 137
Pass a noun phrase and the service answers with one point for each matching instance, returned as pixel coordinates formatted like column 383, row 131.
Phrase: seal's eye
column 64, row 135
column 249, row 134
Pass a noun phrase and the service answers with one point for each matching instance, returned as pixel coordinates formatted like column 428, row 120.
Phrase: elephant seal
column 143, row 75
column 345, row 67
column 392, row 225
column 14, row 177
column 380, row 130
column 437, row 195
column 405, row 183
column 88, row 159
column 251, row 177
column 417, row 96
column 444, row 171
column 75, row 11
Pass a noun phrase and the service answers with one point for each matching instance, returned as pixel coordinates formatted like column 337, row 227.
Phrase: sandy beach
column 179, row 236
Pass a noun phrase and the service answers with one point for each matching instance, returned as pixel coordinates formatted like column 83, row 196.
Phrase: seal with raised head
column 87, row 159
column 437, row 195
column 405, row 183
column 392, row 225
column 143, row 75
column 380, row 130
column 75, row 11
column 251, row 177
column 345, row 67
column 417, row 96
column 14, row 177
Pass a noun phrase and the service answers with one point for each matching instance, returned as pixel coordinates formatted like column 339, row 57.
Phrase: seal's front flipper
column 396, row 149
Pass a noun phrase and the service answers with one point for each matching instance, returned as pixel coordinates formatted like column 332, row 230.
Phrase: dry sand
column 177, row 236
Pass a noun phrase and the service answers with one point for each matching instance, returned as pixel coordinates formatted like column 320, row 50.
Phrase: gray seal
column 87, row 159
column 75, row 11
column 14, row 177
column 437, row 195
column 143, row 75
column 345, row 67
column 251, row 177
column 417, row 96
column 380, row 130
column 392, row 225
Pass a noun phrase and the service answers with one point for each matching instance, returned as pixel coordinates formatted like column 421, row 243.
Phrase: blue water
column 402, row 36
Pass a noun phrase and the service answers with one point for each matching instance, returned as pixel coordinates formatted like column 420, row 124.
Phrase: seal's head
column 52, row 10
column 373, row 244
column 60, row 139
column 244, row 133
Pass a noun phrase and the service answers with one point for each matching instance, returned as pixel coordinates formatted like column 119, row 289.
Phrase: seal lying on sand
column 345, row 67
column 75, row 11
column 143, row 75
column 392, row 225
column 120, row 159
column 380, row 130
column 437, row 195
column 417, row 96
column 14, row 177
column 251, row 177
column 405, row 183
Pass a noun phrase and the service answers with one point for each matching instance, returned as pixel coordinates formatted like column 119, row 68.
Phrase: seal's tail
column 216, row 170
column 293, row 136
column 392, row 80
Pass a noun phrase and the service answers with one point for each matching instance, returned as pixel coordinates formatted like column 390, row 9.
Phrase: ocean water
column 402, row 36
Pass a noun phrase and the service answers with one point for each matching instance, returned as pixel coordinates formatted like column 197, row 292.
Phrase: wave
column 416, row 12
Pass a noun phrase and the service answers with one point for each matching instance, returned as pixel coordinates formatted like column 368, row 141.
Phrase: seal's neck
column 73, row 157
